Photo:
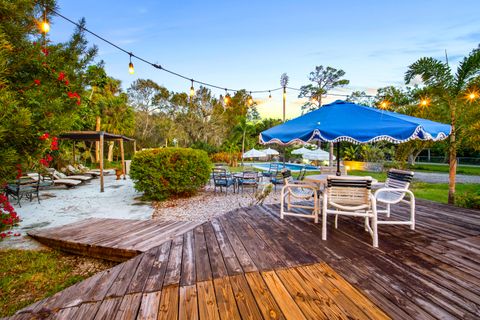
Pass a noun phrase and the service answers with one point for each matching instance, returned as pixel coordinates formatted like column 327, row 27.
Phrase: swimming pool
column 290, row 166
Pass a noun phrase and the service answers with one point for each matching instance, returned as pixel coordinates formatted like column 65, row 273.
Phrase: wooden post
column 123, row 159
column 134, row 146
column 73, row 152
column 101, row 161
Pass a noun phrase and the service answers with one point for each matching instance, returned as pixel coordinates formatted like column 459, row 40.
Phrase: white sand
column 62, row 206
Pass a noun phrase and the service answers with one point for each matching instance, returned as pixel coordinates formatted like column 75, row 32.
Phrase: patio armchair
column 223, row 179
column 301, row 174
column 248, row 179
column 279, row 177
column 396, row 190
column 300, row 192
column 24, row 187
column 273, row 168
column 350, row 196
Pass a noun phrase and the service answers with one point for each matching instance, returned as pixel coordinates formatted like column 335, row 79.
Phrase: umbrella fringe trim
column 415, row 135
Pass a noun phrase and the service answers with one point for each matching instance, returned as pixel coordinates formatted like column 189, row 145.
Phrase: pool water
column 290, row 166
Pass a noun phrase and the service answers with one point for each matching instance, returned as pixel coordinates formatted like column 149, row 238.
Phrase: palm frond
column 432, row 71
column 468, row 69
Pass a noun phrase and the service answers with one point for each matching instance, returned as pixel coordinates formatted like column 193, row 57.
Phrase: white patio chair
column 396, row 190
column 299, row 191
column 350, row 196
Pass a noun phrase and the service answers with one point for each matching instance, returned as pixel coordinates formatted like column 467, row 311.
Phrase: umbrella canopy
column 345, row 121
column 318, row 154
column 270, row 152
column 254, row 153
column 302, row 151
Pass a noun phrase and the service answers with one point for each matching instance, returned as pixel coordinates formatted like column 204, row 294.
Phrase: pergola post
column 134, row 146
column 123, row 159
column 101, row 161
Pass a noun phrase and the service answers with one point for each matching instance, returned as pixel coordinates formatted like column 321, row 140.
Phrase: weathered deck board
column 111, row 239
column 251, row 264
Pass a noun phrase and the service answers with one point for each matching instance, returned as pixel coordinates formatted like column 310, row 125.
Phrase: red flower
column 3, row 235
column 61, row 76
column 78, row 102
column 66, row 82
column 44, row 136
column 45, row 51
column 54, row 144
column 37, row 82
column 48, row 157
column 17, row 235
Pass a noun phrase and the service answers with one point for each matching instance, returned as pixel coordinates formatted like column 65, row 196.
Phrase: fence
column 460, row 160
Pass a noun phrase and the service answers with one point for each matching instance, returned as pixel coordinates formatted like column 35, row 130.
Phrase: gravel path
column 207, row 204
column 432, row 177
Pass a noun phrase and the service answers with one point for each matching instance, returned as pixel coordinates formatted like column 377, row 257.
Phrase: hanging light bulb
column 192, row 90
column 424, row 102
column 131, row 70
column 472, row 95
column 226, row 99
column 384, row 104
column 269, row 94
column 45, row 26
column 250, row 99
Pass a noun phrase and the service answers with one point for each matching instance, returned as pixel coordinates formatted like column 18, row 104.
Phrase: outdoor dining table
column 321, row 179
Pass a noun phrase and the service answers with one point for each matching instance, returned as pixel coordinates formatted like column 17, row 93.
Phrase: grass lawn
column 469, row 170
column 431, row 191
column 29, row 276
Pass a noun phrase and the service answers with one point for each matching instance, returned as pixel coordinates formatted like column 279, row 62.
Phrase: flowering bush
column 8, row 217
column 231, row 158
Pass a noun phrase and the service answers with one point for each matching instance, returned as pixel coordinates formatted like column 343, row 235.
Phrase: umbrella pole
column 338, row 159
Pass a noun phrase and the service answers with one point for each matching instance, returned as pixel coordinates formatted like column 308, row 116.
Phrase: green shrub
column 162, row 173
column 468, row 200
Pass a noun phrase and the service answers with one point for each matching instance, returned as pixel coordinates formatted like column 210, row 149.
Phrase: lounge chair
column 299, row 191
column 396, row 190
column 59, row 175
column 55, row 181
column 223, row 179
column 350, row 196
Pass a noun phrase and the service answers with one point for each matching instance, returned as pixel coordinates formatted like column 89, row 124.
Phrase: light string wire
column 158, row 66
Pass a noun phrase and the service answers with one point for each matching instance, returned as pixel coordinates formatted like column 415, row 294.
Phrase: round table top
column 322, row 178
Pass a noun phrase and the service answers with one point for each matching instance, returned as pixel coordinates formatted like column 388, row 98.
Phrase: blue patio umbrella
column 346, row 121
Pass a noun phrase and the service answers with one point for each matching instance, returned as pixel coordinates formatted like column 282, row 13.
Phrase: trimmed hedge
column 166, row 172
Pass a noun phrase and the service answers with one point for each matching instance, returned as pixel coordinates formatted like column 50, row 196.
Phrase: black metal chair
column 23, row 188
column 279, row 177
column 272, row 170
column 249, row 179
column 223, row 179
column 301, row 175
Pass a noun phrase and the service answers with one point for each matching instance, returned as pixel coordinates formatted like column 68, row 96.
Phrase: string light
column 131, row 70
column 269, row 94
column 384, row 104
column 192, row 90
column 226, row 99
column 157, row 66
column 424, row 102
column 250, row 99
column 45, row 26
column 472, row 95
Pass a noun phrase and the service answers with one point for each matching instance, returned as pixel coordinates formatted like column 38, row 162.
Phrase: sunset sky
column 249, row 44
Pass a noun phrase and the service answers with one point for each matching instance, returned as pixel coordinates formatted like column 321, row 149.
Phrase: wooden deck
column 251, row 264
column 111, row 239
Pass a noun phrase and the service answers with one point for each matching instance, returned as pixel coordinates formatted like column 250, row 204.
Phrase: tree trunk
column 98, row 123
column 243, row 144
column 110, row 151
column 453, row 157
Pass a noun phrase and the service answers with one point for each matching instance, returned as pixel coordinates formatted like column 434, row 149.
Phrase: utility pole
column 284, row 83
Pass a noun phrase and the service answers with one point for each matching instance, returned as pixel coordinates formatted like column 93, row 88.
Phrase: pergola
column 101, row 137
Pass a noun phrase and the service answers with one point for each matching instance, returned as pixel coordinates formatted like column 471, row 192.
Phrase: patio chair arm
column 409, row 192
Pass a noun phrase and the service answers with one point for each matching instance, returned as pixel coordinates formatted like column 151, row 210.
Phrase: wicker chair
column 350, row 196
column 396, row 190
column 300, row 191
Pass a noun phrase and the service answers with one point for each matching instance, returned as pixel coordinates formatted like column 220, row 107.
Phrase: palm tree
column 451, row 90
